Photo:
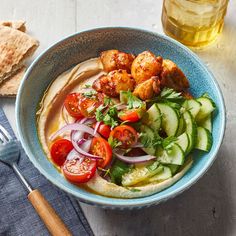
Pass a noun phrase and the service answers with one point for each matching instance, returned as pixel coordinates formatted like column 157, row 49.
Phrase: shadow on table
column 205, row 209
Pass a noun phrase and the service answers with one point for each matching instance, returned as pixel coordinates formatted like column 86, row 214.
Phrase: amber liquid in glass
column 195, row 23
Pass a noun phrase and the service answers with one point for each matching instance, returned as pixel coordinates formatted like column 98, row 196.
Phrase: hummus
column 51, row 118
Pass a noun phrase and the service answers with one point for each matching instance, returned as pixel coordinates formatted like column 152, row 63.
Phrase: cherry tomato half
column 132, row 115
column 104, row 130
column 126, row 134
column 77, row 171
column 101, row 147
column 59, row 151
column 71, row 104
column 88, row 105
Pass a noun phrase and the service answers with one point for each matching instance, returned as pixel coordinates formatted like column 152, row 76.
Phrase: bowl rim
column 127, row 203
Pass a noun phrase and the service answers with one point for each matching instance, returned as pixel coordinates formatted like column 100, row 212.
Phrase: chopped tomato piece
column 126, row 134
column 132, row 115
column 104, row 130
column 88, row 105
column 101, row 147
column 71, row 104
column 79, row 170
column 59, row 151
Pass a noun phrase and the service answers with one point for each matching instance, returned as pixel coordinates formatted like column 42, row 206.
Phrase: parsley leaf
column 90, row 93
column 118, row 169
column 132, row 101
column 107, row 101
column 87, row 86
column 169, row 93
column 114, row 143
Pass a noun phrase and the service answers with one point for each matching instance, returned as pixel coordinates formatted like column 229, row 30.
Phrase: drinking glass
column 195, row 23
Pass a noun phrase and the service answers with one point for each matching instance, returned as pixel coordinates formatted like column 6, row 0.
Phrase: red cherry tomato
column 59, row 151
column 132, row 115
column 77, row 171
column 71, row 104
column 127, row 135
column 104, row 130
column 88, row 105
column 101, row 147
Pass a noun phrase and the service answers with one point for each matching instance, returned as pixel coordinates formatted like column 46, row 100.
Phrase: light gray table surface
column 208, row 207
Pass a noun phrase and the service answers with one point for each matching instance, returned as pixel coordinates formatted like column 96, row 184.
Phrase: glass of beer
column 195, row 23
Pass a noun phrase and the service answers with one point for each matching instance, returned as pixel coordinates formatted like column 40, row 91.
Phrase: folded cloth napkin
column 17, row 216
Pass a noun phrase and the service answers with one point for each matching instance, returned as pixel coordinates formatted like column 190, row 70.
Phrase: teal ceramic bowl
column 84, row 45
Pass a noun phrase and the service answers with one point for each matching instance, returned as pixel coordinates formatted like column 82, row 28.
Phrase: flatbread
column 15, row 48
column 9, row 87
column 18, row 25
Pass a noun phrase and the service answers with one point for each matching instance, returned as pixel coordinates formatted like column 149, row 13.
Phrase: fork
column 10, row 154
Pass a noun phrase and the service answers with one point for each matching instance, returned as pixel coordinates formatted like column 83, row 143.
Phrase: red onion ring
column 133, row 160
column 74, row 126
column 96, row 127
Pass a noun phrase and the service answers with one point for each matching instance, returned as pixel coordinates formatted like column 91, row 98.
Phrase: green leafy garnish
column 118, row 169
column 132, row 101
column 107, row 101
column 165, row 143
column 170, row 94
column 89, row 94
column 114, row 143
column 109, row 118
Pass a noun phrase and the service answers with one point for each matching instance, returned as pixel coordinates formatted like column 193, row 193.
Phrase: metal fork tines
column 10, row 153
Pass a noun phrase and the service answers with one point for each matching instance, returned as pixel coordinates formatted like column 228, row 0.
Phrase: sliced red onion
column 73, row 155
column 133, row 160
column 75, row 126
column 96, row 127
column 86, row 145
column 81, row 141
column 137, row 145
column 82, row 152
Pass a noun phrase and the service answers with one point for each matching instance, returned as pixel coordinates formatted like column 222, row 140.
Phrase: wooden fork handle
column 48, row 215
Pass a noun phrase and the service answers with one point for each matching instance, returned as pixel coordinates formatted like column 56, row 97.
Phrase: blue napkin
column 17, row 216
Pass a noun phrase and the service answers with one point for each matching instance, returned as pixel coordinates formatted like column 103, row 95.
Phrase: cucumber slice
column 204, row 139
column 137, row 175
column 208, row 106
column 191, row 130
column 173, row 156
column 150, row 134
column 153, row 119
column 183, row 141
column 206, row 123
column 193, row 106
column 170, row 119
column 165, row 174
column 173, row 168
column 181, row 127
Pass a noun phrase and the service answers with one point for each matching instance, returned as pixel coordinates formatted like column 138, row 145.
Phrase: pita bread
column 18, row 25
column 15, row 48
column 9, row 87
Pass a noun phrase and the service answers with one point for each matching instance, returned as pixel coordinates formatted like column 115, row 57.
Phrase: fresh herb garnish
column 170, row 94
column 132, row 101
column 118, row 169
column 107, row 101
column 114, row 143
column 109, row 117
column 89, row 94
column 165, row 143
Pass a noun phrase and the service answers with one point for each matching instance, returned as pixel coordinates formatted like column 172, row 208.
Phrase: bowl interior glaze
column 82, row 46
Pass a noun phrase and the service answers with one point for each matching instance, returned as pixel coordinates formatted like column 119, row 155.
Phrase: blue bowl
column 82, row 46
